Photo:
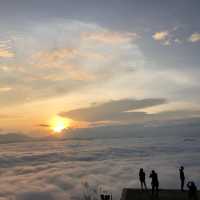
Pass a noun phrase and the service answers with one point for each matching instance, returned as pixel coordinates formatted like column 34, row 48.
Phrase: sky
column 95, row 63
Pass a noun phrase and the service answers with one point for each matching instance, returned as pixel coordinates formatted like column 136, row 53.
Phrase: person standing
column 142, row 179
column 182, row 177
column 154, row 182
column 192, row 192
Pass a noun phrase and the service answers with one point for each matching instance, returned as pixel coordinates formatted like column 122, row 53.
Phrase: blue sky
column 63, row 56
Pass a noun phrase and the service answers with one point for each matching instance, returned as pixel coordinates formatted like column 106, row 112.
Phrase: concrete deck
column 137, row 194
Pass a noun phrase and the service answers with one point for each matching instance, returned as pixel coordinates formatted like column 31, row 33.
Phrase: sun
column 58, row 124
column 59, row 127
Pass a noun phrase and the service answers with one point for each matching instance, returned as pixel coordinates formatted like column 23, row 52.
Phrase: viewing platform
column 137, row 194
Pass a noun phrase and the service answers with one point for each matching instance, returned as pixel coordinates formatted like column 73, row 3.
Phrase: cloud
column 195, row 37
column 5, row 49
column 43, row 125
column 65, row 56
column 2, row 116
column 156, row 125
column 66, row 169
column 109, row 37
column 128, row 111
column 35, row 195
column 164, row 37
column 14, row 137
column 176, row 115
column 4, row 53
column 168, row 37
column 178, row 41
column 115, row 110
column 53, row 58
column 5, row 89
column 173, row 37
column 161, row 36
column 8, row 116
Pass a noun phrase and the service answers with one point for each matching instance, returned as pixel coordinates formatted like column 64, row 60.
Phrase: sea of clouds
column 70, row 169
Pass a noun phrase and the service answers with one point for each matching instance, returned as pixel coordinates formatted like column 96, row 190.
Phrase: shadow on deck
column 137, row 194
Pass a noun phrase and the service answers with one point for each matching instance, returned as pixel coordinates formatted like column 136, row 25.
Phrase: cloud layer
column 60, row 169
column 128, row 111
column 115, row 110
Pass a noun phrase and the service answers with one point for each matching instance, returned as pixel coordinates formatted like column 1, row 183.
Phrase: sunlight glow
column 58, row 124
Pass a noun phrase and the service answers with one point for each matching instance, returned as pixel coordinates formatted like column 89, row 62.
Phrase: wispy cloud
column 4, row 53
column 168, row 37
column 65, row 57
column 43, row 125
column 161, row 36
column 110, row 37
column 195, row 37
column 5, row 49
column 164, row 37
column 5, row 89
column 53, row 58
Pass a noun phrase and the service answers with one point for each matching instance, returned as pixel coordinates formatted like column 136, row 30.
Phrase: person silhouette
column 142, row 179
column 154, row 182
column 182, row 177
column 192, row 193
